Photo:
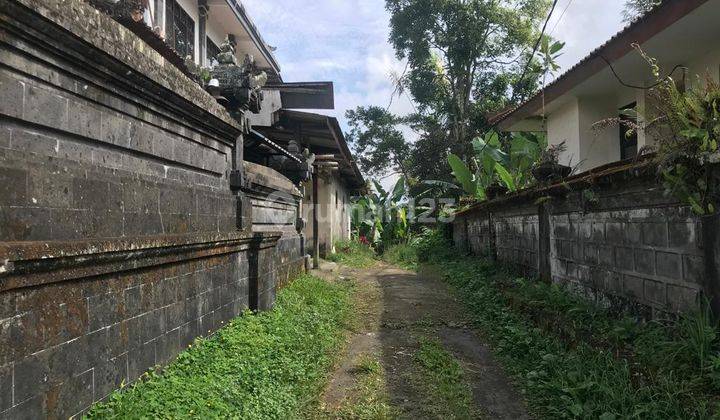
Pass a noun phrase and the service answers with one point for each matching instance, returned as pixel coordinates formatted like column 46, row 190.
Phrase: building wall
column 591, row 148
column 563, row 125
column 333, row 213
column 119, row 239
column 632, row 248
column 598, row 145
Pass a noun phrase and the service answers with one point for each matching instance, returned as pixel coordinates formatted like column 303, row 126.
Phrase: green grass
column 353, row 254
column 574, row 360
column 442, row 380
column 402, row 255
column 266, row 366
column 369, row 398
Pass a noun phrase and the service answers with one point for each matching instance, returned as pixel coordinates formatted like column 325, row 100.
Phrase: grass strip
column 260, row 366
column 574, row 360
column 443, row 382
column 369, row 398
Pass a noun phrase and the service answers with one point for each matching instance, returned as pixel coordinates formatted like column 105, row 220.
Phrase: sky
column 346, row 42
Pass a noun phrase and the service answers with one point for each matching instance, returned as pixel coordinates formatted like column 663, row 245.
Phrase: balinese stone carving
column 298, row 172
column 240, row 87
column 121, row 9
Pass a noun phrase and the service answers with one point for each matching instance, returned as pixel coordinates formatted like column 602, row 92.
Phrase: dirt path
column 397, row 312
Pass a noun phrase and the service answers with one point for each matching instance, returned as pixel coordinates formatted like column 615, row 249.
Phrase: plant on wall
column 690, row 142
column 495, row 167
column 685, row 124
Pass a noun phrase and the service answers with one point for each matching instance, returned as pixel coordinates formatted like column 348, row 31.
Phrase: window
column 628, row 132
column 212, row 50
column 180, row 29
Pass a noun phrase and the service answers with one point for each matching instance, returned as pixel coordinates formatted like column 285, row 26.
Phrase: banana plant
column 492, row 164
column 381, row 216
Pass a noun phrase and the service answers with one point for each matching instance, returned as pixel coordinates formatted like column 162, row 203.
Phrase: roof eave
column 252, row 30
column 639, row 32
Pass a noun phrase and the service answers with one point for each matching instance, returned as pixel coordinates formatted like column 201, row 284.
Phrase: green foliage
column 370, row 399
column 458, row 71
column 402, row 255
column 381, row 217
column 269, row 365
column 574, row 360
column 685, row 124
column 434, row 245
column 636, row 8
column 376, row 140
column 457, row 56
column 443, row 380
column 353, row 254
column 512, row 169
column 549, row 53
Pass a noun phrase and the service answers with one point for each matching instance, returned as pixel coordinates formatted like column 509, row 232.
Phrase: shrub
column 353, row 254
column 402, row 255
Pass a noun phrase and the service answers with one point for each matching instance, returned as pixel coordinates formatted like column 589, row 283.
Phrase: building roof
column 321, row 134
column 638, row 32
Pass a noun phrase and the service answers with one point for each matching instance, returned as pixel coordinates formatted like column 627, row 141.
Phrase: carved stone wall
column 118, row 227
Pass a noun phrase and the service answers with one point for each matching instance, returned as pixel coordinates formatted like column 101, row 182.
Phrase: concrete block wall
column 516, row 240
column 652, row 256
column 119, row 241
column 632, row 246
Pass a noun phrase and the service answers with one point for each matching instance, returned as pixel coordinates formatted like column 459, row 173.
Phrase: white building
column 677, row 33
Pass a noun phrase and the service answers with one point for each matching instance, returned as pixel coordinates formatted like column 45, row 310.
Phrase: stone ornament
column 238, row 88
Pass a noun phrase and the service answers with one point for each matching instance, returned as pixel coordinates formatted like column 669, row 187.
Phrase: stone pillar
column 711, row 243
column 237, row 182
column 316, row 223
column 544, row 267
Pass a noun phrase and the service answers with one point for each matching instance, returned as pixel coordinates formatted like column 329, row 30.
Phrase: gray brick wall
column 69, row 344
column 118, row 237
column 635, row 247
column 516, row 239
column 651, row 255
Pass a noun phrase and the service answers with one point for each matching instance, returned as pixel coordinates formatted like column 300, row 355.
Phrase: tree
column 378, row 142
column 465, row 58
column 637, row 8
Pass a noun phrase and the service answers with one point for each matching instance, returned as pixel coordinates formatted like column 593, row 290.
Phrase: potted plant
column 496, row 190
column 548, row 167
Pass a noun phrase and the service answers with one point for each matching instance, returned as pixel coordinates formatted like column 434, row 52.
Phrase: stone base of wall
column 71, row 340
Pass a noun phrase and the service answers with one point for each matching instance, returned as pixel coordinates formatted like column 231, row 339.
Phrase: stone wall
column 276, row 209
column 616, row 238
column 121, row 239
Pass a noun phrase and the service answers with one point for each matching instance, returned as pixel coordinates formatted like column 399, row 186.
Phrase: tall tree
column 465, row 57
column 637, row 8
column 378, row 142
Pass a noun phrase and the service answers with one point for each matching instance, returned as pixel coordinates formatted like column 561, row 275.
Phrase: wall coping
column 27, row 264
column 269, row 178
column 643, row 167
